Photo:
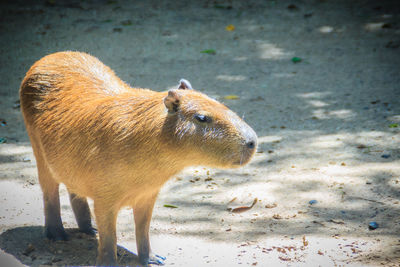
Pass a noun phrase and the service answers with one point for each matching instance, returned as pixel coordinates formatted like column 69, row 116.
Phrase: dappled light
column 326, row 29
column 318, row 103
column 317, row 81
column 374, row 26
column 231, row 78
column 340, row 114
column 271, row 51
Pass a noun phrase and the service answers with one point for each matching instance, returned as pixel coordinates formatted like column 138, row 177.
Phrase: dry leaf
column 284, row 259
column 230, row 28
column 336, row 221
column 277, row 216
column 233, row 199
column 305, row 242
column 281, row 250
column 243, row 208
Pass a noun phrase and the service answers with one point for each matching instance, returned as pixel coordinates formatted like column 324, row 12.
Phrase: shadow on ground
column 31, row 248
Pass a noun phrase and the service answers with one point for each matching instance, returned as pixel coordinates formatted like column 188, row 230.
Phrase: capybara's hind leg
column 82, row 213
column 53, row 225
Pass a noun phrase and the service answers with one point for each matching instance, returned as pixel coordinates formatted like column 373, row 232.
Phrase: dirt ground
column 319, row 82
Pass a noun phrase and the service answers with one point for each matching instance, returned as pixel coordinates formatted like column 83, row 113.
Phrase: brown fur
column 118, row 145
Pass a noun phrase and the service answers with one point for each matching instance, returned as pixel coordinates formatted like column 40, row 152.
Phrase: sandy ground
column 326, row 126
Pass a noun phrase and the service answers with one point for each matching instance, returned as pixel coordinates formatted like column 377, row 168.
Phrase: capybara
column 118, row 145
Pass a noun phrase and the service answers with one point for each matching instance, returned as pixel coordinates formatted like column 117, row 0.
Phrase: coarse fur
column 118, row 145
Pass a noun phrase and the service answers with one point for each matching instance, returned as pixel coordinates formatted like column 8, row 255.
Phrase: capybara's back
column 118, row 145
column 77, row 113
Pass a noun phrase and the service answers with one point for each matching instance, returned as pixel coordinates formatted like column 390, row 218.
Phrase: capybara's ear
column 185, row 85
column 172, row 100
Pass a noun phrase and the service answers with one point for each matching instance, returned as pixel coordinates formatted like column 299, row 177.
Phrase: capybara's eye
column 202, row 118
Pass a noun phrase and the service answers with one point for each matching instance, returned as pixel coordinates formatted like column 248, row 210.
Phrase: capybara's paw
column 88, row 230
column 154, row 259
column 106, row 260
column 56, row 233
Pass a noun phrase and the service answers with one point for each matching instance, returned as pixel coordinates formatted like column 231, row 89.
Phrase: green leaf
column 170, row 206
column 231, row 97
column 393, row 125
column 296, row 60
column 209, row 51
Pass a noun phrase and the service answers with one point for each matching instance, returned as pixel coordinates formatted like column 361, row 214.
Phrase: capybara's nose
column 250, row 137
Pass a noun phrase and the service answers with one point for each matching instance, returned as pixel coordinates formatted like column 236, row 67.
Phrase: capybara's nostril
column 251, row 144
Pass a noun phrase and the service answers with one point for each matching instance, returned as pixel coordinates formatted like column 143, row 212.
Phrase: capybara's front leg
column 82, row 213
column 142, row 210
column 106, row 218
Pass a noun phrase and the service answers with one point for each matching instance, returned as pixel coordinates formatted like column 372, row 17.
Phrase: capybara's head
column 206, row 131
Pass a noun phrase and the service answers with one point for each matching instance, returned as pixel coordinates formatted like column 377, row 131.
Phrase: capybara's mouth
column 244, row 158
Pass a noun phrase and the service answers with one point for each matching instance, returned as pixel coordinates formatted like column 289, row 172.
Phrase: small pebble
column 373, row 225
column 28, row 250
column 292, row 7
column 313, row 201
column 16, row 105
